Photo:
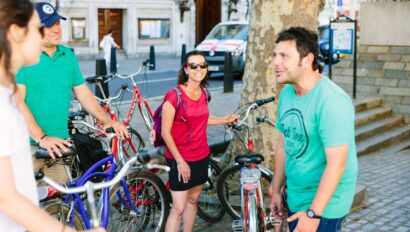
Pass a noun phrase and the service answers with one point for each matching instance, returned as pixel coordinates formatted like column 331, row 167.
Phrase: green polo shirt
column 49, row 87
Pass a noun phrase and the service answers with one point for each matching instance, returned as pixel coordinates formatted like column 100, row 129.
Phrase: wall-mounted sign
column 153, row 28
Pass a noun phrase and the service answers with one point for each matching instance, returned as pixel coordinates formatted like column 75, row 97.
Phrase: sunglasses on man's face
column 202, row 65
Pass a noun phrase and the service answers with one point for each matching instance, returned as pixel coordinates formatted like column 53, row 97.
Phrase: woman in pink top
column 184, row 132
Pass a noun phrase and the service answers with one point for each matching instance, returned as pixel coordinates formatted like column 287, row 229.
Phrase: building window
column 153, row 28
column 78, row 28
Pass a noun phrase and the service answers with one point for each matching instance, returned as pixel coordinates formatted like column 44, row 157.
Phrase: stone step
column 376, row 127
column 393, row 148
column 364, row 104
column 383, row 140
column 371, row 115
column 360, row 197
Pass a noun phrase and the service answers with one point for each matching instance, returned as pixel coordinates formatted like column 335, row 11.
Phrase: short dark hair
column 306, row 42
column 12, row 12
column 182, row 77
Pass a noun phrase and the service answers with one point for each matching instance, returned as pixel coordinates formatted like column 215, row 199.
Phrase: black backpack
column 89, row 149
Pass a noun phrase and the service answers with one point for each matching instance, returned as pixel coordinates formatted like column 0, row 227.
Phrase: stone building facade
column 383, row 67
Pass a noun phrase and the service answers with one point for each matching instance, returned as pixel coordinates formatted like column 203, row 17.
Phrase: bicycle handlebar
column 264, row 101
column 142, row 157
column 256, row 104
column 99, row 78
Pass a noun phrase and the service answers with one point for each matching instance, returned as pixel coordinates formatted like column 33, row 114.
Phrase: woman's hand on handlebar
column 231, row 118
column 223, row 120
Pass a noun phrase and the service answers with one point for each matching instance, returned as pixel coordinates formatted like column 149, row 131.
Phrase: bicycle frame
column 252, row 187
column 89, row 187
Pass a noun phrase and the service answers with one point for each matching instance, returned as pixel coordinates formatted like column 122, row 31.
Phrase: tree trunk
column 267, row 19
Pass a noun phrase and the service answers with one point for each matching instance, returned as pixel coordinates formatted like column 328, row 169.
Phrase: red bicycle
column 131, row 145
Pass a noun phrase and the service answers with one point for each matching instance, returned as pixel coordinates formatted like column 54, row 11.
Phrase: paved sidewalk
column 387, row 177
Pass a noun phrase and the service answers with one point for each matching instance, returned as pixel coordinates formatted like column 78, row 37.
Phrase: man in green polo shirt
column 316, row 153
column 46, row 89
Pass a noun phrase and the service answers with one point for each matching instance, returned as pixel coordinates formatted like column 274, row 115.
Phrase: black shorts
column 199, row 174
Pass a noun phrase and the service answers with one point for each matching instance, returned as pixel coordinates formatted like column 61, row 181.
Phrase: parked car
column 324, row 45
column 225, row 37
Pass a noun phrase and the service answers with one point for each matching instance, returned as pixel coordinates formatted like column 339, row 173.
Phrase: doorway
column 207, row 16
column 110, row 19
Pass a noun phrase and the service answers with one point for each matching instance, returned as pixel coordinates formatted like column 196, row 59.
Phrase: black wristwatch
column 311, row 214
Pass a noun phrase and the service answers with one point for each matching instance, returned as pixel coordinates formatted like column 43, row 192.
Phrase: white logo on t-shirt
column 48, row 9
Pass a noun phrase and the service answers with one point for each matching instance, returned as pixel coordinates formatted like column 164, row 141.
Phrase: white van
column 225, row 37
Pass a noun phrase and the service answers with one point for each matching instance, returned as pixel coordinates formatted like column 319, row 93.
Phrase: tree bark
column 267, row 19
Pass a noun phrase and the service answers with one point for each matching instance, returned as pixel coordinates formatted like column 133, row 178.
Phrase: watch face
column 310, row 213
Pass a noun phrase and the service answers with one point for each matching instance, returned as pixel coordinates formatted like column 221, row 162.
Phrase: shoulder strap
column 207, row 95
column 179, row 97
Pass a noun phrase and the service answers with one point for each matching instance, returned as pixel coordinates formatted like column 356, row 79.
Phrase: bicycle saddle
column 42, row 153
column 249, row 158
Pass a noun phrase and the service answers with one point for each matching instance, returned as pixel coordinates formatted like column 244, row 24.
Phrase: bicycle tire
column 59, row 211
column 146, row 116
column 251, row 223
column 228, row 188
column 132, row 144
column 144, row 186
column 210, row 208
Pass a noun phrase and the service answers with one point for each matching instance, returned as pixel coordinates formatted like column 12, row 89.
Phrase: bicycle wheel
column 209, row 206
column 229, row 190
column 132, row 144
column 149, row 200
column 251, row 222
column 60, row 211
column 146, row 115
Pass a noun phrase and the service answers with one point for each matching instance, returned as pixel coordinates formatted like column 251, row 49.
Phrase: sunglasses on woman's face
column 202, row 65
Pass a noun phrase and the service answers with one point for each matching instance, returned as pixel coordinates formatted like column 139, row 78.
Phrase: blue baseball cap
column 48, row 14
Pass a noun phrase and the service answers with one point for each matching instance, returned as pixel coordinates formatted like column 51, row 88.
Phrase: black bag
column 90, row 151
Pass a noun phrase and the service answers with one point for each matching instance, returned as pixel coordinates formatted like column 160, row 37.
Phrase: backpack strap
column 179, row 103
column 179, row 97
column 207, row 94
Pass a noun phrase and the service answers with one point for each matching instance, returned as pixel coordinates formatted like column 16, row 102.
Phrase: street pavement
column 387, row 177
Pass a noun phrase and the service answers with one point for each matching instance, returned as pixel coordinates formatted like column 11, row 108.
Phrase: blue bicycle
column 138, row 202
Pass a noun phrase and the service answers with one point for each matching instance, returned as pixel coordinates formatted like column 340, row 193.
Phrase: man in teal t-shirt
column 316, row 154
column 44, row 93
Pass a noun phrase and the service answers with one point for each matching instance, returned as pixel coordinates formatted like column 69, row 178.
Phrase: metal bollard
column 152, row 57
column 101, row 69
column 183, row 53
column 113, row 61
column 228, row 73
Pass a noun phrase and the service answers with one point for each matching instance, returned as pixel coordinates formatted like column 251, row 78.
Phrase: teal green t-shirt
column 49, row 86
column 322, row 118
